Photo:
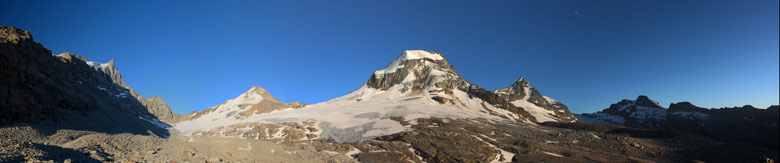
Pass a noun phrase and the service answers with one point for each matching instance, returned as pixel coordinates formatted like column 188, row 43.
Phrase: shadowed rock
column 65, row 91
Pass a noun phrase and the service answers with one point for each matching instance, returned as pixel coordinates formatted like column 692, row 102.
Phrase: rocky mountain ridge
column 429, row 73
column 256, row 100
column 38, row 87
column 417, row 84
column 545, row 109
column 742, row 124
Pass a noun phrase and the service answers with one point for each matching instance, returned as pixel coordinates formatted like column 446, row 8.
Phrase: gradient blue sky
column 586, row 54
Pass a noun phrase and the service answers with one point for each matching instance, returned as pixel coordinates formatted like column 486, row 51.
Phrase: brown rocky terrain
column 433, row 140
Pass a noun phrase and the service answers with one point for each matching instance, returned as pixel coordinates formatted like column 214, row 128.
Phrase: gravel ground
column 18, row 144
column 431, row 140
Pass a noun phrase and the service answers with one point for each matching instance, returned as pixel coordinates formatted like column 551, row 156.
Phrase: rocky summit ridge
column 420, row 72
column 543, row 108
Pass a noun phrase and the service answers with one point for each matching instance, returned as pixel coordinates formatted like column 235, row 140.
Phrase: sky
column 585, row 54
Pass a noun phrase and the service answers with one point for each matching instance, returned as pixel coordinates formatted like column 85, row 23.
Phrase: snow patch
column 354, row 151
column 330, row 152
column 643, row 113
column 155, row 122
column 415, row 154
column 541, row 114
column 249, row 147
column 550, row 100
column 408, row 55
column 552, row 154
column 691, row 115
column 595, row 136
column 96, row 64
column 506, row 155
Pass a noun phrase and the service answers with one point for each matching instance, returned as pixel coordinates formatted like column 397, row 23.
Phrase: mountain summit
column 544, row 109
column 417, row 84
column 427, row 74
column 256, row 100
column 418, row 71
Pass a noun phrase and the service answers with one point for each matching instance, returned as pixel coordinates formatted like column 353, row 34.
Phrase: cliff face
column 156, row 106
column 67, row 91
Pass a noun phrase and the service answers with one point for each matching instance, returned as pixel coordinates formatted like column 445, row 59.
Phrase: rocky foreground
column 432, row 140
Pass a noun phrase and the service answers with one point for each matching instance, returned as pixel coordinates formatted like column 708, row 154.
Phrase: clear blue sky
column 586, row 54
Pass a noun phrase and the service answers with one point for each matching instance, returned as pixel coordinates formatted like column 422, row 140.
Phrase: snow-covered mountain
column 417, row 84
column 642, row 112
column 252, row 102
column 543, row 108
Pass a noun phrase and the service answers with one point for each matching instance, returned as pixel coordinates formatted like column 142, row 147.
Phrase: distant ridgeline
column 743, row 124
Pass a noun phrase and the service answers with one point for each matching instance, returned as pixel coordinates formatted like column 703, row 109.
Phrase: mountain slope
column 66, row 91
column 254, row 101
column 417, row 84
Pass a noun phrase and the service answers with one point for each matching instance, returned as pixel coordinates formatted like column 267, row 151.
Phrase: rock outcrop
column 156, row 106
